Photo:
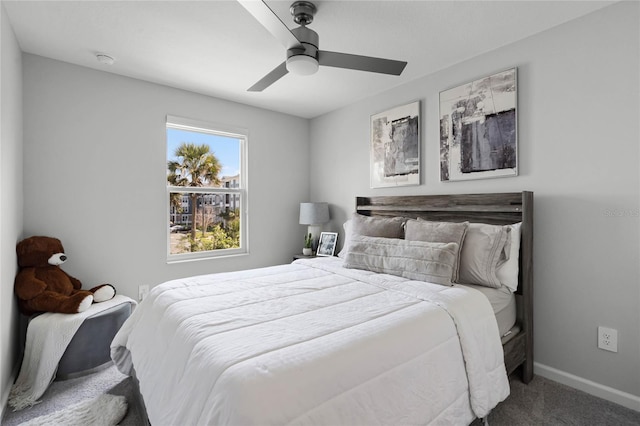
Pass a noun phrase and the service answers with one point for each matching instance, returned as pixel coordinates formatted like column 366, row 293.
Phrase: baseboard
column 601, row 391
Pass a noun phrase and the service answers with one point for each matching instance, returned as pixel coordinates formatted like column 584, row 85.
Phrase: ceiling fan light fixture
column 303, row 54
column 302, row 65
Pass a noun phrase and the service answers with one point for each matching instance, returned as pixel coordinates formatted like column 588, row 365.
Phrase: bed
column 492, row 208
column 317, row 342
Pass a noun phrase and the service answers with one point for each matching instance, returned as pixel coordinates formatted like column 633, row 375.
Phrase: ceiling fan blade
column 263, row 14
column 361, row 63
column 266, row 81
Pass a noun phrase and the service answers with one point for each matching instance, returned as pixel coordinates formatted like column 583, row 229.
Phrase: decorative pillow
column 507, row 273
column 438, row 232
column 485, row 248
column 415, row 260
column 392, row 227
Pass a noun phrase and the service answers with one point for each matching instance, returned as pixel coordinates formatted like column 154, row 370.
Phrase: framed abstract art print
column 478, row 129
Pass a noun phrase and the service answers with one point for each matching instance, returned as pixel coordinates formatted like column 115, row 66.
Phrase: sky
column 226, row 150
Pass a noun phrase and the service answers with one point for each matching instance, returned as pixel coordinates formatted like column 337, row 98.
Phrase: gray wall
column 10, row 199
column 578, row 150
column 95, row 173
column 94, row 166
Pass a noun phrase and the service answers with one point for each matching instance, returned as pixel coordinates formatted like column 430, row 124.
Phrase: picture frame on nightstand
column 327, row 243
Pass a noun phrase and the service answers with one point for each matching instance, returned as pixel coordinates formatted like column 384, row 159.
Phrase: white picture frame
column 327, row 244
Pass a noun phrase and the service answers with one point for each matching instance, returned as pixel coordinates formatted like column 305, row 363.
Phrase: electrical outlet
column 143, row 291
column 608, row 339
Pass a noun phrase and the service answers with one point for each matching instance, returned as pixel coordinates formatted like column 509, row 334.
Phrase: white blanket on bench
column 48, row 336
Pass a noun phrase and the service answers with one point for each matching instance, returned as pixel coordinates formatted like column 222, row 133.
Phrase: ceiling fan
column 302, row 44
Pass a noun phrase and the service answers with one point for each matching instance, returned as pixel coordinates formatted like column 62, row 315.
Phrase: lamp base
column 314, row 230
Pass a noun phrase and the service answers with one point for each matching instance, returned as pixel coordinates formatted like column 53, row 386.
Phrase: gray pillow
column 392, row 227
column 485, row 248
column 438, row 232
column 414, row 260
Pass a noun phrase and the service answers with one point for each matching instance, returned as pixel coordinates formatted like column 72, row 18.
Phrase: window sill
column 186, row 259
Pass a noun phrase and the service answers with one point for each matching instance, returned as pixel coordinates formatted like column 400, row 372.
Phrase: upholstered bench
column 89, row 351
column 70, row 344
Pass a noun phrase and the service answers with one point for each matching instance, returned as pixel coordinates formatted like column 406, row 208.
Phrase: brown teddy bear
column 41, row 286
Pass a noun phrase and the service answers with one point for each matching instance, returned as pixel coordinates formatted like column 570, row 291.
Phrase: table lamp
column 314, row 215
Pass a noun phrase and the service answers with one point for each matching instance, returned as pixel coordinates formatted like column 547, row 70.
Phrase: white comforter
column 313, row 343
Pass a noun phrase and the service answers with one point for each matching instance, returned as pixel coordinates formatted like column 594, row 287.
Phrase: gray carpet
column 541, row 402
column 62, row 394
column 544, row 402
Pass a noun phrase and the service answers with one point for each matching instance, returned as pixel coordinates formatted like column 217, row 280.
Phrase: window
column 206, row 190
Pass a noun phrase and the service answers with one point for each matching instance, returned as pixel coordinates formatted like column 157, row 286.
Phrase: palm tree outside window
column 205, row 164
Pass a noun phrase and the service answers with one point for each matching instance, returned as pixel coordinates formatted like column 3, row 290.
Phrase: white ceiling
column 218, row 49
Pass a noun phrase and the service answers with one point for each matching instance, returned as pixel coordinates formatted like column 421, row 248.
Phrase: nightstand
column 302, row 256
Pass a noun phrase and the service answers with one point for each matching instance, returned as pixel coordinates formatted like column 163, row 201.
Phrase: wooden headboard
column 497, row 209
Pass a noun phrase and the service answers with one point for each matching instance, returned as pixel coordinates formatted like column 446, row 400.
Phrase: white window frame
column 242, row 135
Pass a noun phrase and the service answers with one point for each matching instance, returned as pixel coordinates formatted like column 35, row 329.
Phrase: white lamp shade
column 314, row 213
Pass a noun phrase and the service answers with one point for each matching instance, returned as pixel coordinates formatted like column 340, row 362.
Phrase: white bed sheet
column 312, row 342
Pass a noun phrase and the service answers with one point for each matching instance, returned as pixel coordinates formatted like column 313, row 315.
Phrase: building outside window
column 206, row 190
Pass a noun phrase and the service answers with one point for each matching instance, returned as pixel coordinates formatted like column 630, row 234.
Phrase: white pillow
column 507, row 273
column 485, row 247
column 347, row 237
column 414, row 260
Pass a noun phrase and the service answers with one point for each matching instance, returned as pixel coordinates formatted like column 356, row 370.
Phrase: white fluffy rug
column 105, row 410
